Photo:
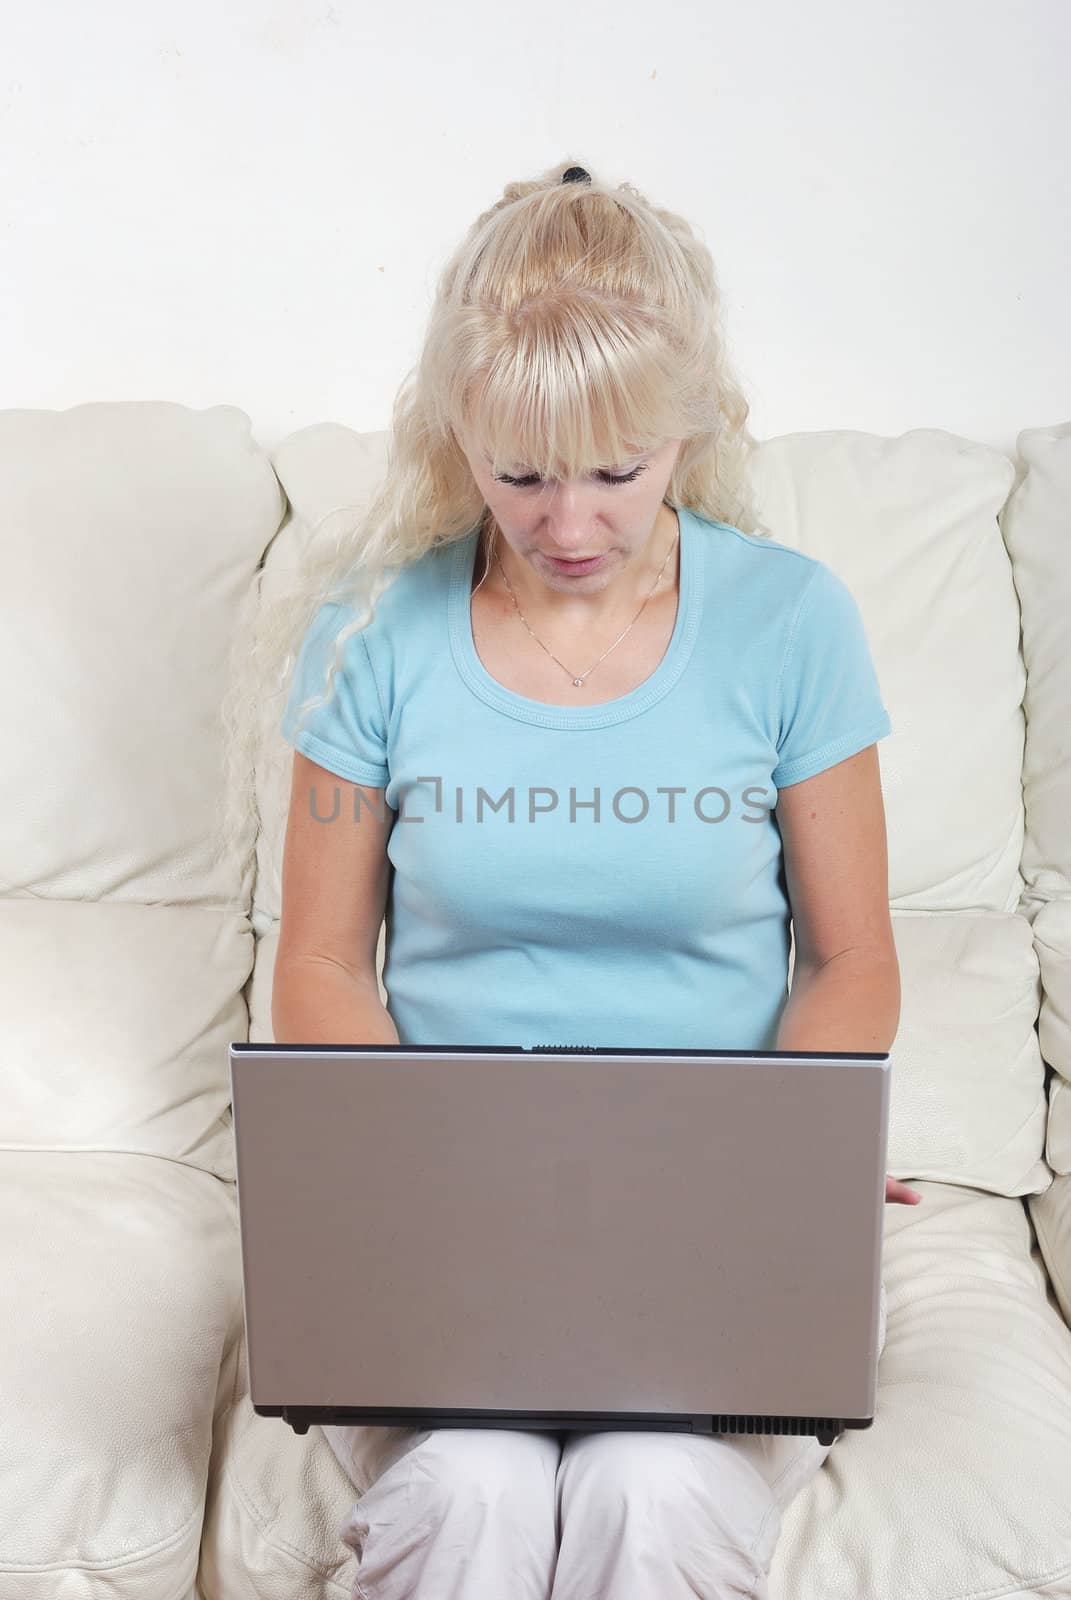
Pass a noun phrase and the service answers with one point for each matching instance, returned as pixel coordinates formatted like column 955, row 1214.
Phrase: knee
column 483, row 1471
column 686, row 1506
column 687, row 1485
column 637, row 1468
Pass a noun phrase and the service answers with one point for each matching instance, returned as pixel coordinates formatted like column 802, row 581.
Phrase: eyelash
column 607, row 477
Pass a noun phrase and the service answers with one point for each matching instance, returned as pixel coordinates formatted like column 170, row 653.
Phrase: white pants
column 504, row 1514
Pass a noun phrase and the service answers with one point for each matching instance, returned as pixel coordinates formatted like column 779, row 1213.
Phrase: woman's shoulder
column 757, row 564
column 405, row 593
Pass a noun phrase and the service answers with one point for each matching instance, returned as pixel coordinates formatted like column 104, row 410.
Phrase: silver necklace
column 579, row 681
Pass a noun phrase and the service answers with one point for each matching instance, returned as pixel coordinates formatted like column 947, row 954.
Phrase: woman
column 601, row 744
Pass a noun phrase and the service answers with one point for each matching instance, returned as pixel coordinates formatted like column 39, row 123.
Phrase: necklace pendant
column 579, row 682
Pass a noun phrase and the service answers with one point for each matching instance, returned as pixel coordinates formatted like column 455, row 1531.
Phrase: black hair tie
column 576, row 175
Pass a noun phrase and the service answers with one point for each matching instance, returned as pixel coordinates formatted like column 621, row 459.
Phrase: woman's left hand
column 897, row 1193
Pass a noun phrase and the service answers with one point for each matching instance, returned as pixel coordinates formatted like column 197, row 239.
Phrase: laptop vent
column 756, row 1424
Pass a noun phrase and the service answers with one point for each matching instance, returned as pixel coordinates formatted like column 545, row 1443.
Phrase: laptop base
column 825, row 1429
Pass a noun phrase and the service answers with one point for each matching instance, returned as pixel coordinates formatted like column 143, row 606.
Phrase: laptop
column 561, row 1237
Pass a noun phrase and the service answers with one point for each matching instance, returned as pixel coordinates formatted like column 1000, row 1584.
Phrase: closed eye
column 604, row 477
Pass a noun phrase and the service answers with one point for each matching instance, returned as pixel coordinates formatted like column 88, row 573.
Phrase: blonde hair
column 575, row 325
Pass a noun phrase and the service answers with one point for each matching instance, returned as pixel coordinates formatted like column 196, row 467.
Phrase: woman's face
column 547, row 524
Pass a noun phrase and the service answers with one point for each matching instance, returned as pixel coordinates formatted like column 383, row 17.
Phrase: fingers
column 897, row 1193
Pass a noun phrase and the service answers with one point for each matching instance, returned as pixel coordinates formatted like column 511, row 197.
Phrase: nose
column 568, row 524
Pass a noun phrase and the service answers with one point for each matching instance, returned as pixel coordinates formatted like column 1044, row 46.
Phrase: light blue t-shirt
column 596, row 875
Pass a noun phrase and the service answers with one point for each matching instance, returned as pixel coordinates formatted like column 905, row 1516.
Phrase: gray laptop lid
column 561, row 1237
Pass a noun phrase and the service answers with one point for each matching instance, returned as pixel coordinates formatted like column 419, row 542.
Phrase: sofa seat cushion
column 971, row 1442
column 274, row 1506
column 121, row 1282
column 960, row 1486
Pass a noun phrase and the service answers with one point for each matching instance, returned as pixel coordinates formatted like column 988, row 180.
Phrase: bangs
column 571, row 395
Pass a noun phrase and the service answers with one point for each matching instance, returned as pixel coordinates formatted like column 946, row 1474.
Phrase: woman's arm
column 336, row 875
column 846, row 977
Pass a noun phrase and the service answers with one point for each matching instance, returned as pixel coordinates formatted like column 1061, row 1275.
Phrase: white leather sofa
column 135, row 537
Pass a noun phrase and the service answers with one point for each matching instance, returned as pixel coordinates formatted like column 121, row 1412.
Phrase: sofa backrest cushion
column 133, row 533
column 911, row 525
column 1037, row 530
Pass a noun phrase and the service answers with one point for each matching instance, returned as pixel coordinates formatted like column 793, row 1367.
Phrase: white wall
column 249, row 203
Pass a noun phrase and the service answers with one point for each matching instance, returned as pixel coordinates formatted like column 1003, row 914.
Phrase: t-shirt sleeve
column 348, row 735
column 829, row 699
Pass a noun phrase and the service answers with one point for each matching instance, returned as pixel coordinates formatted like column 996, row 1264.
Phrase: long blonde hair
column 574, row 325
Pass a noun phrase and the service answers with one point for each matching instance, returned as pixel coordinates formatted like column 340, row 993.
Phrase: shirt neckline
column 525, row 709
